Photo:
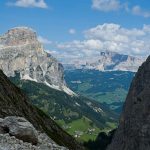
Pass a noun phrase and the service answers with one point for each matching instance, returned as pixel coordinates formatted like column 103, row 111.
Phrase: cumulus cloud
column 86, row 45
column 110, row 37
column 137, row 10
column 114, row 5
column 44, row 40
column 106, row 5
column 29, row 3
column 72, row 31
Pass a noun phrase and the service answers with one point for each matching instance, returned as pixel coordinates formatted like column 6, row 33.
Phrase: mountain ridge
column 20, row 51
column 108, row 61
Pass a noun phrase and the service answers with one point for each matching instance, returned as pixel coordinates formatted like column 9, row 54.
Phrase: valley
column 109, row 88
column 79, row 116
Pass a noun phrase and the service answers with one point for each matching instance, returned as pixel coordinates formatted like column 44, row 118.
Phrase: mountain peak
column 111, row 61
column 18, row 36
column 20, row 51
column 22, row 28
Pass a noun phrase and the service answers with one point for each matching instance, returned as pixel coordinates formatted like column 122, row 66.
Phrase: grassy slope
column 86, row 127
column 13, row 102
column 60, row 106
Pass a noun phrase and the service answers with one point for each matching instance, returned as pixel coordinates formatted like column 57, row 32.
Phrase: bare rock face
column 20, row 128
column 108, row 61
column 111, row 61
column 21, row 52
column 18, row 134
column 134, row 129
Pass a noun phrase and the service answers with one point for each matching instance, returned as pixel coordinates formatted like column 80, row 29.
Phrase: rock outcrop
column 134, row 129
column 21, row 52
column 18, row 134
column 13, row 102
column 20, row 128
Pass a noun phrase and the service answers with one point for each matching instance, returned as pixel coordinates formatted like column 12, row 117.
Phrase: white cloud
column 81, row 45
column 72, row 31
column 114, row 5
column 29, row 3
column 106, row 5
column 116, row 38
column 44, row 40
column 137, row 10
column 110, row 37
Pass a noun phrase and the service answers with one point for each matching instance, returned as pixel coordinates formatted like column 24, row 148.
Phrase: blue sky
column 64, row 21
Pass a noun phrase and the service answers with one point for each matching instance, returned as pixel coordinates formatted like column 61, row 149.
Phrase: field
column 83, row 129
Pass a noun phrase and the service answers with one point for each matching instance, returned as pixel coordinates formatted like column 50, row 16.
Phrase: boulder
column 20, row 128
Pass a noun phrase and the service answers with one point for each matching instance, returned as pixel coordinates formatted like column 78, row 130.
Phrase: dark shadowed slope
column 14, row 102
column 134, row 129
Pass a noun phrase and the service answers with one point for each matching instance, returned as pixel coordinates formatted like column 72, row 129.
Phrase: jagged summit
column 20, row 51
column 19, row 36
column 110, row 61
column 23, row 28
column 134, row 129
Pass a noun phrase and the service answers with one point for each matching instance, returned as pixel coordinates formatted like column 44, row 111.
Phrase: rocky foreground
column 17, row 133
column 13, row 102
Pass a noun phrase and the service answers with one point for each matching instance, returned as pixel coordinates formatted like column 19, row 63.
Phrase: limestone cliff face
column 134, row 129
column 20, row 51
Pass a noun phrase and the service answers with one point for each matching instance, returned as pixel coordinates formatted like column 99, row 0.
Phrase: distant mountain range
column 108, row 61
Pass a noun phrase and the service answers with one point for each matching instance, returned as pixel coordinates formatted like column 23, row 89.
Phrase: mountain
column 41, row 77
column 13, row 102
column 108, row 61
column 20, row 51
column 134, row 128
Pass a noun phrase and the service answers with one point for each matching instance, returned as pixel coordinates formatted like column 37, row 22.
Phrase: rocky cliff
column 13, row 102
column 134, row 129
column 20, row 51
